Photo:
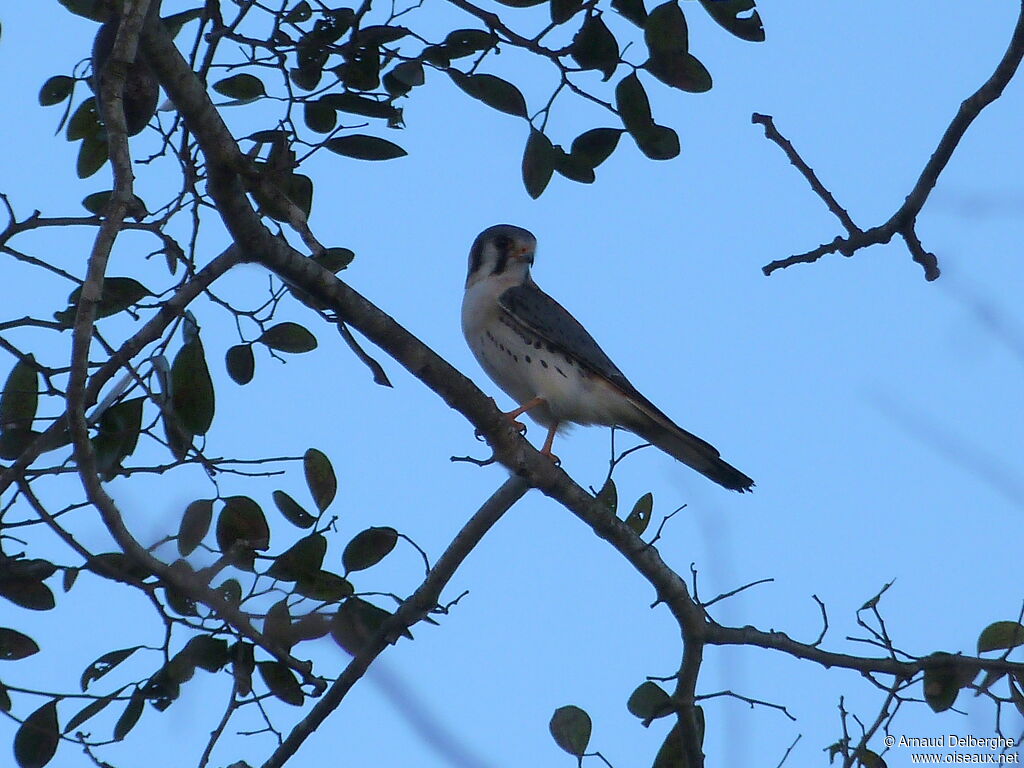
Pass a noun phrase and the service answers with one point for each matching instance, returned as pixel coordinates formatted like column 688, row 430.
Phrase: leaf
column 325, row 586
column 130, row 716
column 521, row 3
column 242, row 666
column 299, row 190
column 192, row 395
column 96, row 204
column 281, row 681
column 206, row 652
column 380, row 34
column 563, row 10
column 117, row 295
column 570, row 727
column 27, row 592
column 5, row 699
column 573, row 167
column 20, row 398
column 363, row 147
column 293, row 511
column 334, row 259
column 608, row 496
column 312, row 626
column 320, row 478
column 1017, row 697
column 632, row 104
column 13, row 442
column 1002, row 635
column 594, row 47
column 308, row 76
column 359, row 105
column 302, row 560
column 596, row 145
column 161, row 690
column 176, row 21
column 85, row 121
column 641, row 514
column 241, row 363
column 277, row 625
column 297, row 187
column 538, row 163
column 657, row 142
column 243, row 87
column 104, row 664
column 55, row 90
column 117, row 565
column 665, row 30
column 649, row 702
column 14, row 645
column 680, row 70
column 118, row 435
column 289, row 337
column 301, row 12
column 90, row 710
column 633, row 10
column 868, row 759
column 941, row 684
column 231, row 591
column 361, row 70
column 463, row 42
column 491, row 90
column 736, row 17
column 356, row 622
column 671, row 754
column 70, row 576
column 26, row 568
column 319, row 117
column 368, row 548
column 404, row 77
column 242, row 526
column 96, row 10
column 195, row 524
column 36, row 741
column 92, row 155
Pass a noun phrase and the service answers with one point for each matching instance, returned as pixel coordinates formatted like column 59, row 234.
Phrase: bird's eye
column 503, row 242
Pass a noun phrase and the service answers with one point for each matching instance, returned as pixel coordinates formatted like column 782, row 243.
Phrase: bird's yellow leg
column 548, row 442
column 512, row 415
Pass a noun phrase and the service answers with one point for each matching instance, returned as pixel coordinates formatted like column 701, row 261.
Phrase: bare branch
column 412, row 610
column 903, row 221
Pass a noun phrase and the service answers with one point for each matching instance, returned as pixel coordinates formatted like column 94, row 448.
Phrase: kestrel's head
column 502, row 250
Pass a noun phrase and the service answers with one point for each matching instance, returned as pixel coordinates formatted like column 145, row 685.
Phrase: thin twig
column 417, row 606
column 903, row 221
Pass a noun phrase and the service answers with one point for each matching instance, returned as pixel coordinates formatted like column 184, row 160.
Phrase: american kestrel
column 547, row 362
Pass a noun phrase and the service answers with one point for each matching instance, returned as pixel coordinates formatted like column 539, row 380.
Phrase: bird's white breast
column 526, row 367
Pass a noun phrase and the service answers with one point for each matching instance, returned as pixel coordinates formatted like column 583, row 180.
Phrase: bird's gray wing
column 537, row 313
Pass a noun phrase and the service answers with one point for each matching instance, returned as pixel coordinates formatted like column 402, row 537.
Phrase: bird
column 546, row 361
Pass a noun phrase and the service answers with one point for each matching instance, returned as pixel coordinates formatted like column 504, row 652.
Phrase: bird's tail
column 689, row 449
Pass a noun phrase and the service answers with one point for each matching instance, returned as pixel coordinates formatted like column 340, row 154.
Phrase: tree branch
column 904, row 220
column 412, row 610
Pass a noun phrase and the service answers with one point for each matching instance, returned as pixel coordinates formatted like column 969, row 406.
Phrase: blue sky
column 879, row 414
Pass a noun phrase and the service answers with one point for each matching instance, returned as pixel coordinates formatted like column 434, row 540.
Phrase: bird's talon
column 554, row 459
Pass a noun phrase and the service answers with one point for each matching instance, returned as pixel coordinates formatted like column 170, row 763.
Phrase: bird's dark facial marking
column 503, row 244
column 476, row 256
